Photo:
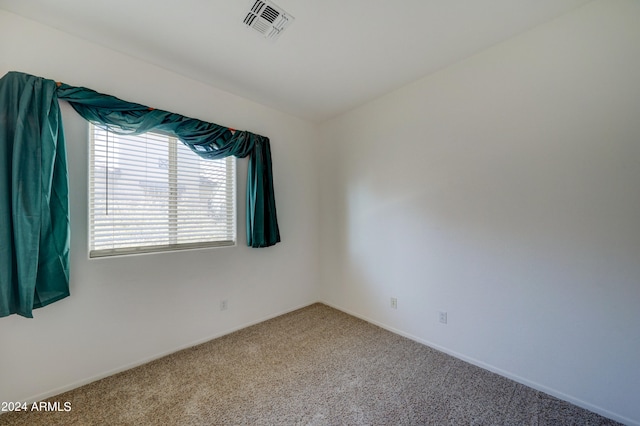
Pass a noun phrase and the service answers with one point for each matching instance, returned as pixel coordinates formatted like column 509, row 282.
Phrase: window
column 150, row 193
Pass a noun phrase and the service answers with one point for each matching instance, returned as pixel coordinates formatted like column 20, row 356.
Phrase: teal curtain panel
column 34, row 207
column 34, row 233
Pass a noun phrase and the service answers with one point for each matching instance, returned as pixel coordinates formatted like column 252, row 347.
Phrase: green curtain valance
column 34, row 219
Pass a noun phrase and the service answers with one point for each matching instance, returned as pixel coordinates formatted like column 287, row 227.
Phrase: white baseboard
column 501, row 372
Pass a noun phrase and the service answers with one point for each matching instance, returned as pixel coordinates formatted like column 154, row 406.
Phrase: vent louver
column 267, row 18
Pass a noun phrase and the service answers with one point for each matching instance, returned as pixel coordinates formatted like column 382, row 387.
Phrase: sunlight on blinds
column 151, row 193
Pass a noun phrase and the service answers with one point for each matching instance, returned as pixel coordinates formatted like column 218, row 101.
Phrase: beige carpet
column 314, row 366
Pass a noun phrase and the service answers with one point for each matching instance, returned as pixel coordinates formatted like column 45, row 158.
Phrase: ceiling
column 336, row 55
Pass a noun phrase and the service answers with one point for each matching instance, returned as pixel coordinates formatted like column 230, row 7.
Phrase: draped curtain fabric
column 34, row 220
column 208, row 140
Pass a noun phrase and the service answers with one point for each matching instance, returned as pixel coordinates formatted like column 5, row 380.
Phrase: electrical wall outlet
column 394, row 303
column 442, row 317
column 224, row 305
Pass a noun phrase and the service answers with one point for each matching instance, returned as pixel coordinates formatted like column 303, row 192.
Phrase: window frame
column 172, row 156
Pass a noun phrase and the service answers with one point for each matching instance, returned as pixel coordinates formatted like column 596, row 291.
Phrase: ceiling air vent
column 267, row 18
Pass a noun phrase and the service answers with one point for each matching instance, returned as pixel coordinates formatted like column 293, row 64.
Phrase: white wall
column 124, row 311
column 505, row 191
column 502, row 190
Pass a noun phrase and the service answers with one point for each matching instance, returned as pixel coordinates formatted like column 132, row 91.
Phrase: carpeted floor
column 314, row 366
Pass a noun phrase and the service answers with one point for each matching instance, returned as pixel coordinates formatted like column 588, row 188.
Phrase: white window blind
column 151, row 193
